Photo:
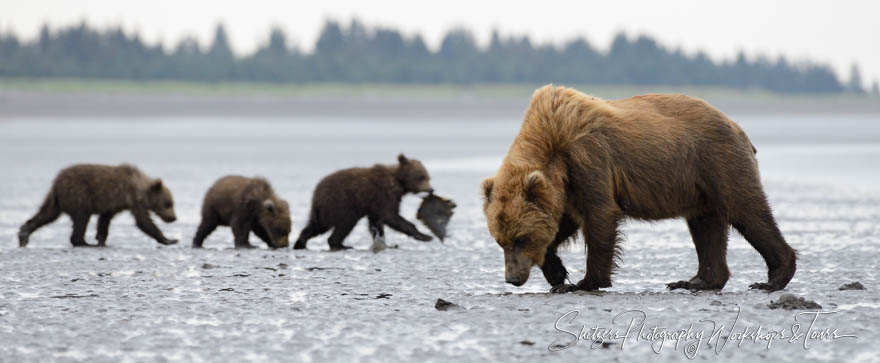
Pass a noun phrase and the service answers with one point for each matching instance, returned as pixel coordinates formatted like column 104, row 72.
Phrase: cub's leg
column 241, row 230
column 311, row 230
column 398, row 223
column 709, row 233
column 80, row 224
column 48, row 213
column 104, row 228
column 377, row 231
column 206, row 227
column 340, row 231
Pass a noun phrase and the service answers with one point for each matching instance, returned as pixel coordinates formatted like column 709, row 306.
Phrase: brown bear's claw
column 563, row 289
column 678, row 285
column 695, row 284
column 764, row 286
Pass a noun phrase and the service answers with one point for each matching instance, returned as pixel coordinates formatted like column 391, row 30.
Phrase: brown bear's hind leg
column 312, row 229
column 80, row 224
column 104, row 228
column 709, row 233
column 759, row 228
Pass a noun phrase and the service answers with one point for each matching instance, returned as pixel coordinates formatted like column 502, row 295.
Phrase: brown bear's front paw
column 695, row 284
column 677, row 285
column 766, row 286
column 591, row 284
column 563, row 289
column 244, row 246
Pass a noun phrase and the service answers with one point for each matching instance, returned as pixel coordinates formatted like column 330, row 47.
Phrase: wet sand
column 379, row 101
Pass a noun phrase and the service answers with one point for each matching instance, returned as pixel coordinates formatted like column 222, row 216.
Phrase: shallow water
column 138, row 301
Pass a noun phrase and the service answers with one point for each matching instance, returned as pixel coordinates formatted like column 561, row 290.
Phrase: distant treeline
column 359, row 54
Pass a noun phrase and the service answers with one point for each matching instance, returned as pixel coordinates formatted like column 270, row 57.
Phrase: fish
column 435, row 213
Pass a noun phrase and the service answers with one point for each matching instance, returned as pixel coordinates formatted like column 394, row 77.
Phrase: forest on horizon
column 360, row 54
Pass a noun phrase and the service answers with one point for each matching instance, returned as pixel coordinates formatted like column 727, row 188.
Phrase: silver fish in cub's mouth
column 435, row 213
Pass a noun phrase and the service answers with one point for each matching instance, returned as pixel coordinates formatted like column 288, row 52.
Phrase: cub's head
column 413, row 175
column 160, row 201
column 521, row 210
column 274, row 217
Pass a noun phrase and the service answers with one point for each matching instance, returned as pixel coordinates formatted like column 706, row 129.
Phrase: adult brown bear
column 582, row 163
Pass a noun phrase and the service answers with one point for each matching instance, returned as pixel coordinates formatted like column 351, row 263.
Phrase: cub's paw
column 168, row 242
column 423, row 237
column 563, row 289
column 245, row 246
column 339, row 248
column 23, row 239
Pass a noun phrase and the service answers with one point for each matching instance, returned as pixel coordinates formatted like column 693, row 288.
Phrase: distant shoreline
column 73, row 98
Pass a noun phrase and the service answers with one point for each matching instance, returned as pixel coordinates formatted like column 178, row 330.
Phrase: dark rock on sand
column 444, row 305
column 791, row 302
column 852, row 286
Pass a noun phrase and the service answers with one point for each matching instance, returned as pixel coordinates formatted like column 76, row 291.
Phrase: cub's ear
column 156, row 185
column 486, row 186
column 535, row 183
column 269, row 206
column 402, row 159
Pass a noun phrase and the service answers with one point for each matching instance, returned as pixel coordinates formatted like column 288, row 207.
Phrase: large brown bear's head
column 521, row 209
column 413, row 175
column 160, row 201
column 274, row 217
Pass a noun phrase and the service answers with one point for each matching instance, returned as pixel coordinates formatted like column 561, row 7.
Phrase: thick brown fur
column 583, row 163
column 341, row 199
column 247, row 205
column 83, row 190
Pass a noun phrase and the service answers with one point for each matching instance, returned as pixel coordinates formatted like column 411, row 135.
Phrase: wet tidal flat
column 138, row 301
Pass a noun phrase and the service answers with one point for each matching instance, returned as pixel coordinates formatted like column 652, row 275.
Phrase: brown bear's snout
column 282, row 242
column 168, row 219
column 517, row 268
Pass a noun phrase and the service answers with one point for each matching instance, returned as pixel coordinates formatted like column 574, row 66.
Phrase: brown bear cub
column 83, row 190
column 580, row 163
column 247, row 205
column 341, row 199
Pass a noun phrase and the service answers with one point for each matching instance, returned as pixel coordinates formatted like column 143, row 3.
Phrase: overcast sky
column 836, row 32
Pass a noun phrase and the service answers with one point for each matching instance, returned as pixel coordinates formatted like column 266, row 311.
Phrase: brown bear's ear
column 402, row 159
column 156, row 186
column 486, row 186
column 535, row 183
column 269, row 206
